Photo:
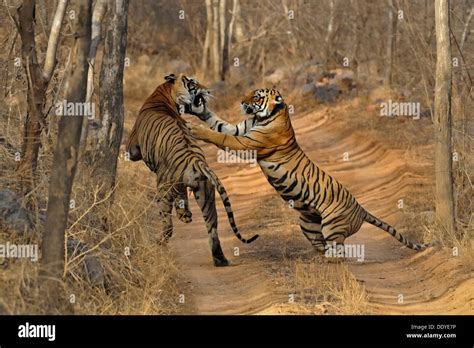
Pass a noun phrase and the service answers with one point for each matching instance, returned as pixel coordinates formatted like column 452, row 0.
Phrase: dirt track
column 431, row 281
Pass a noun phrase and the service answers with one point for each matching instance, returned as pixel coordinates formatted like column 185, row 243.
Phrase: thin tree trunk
column 293, row 42
column 391, row 39
column 232, row 22
column 329, row 34
column 466, row 30
column 35, row 97
column 97, row 15
column 50, row 60
column 111, row 98
column 228, row 41
column 356, row 24
column 239, row 31
column 225, row 32
column 222, row 24
column 37, row 80
column 65, row 156
column 215, row 61
column 208, row 39
column 442, row 121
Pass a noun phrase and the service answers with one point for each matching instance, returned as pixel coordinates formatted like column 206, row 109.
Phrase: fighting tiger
column 326, row 207
column 161, row 139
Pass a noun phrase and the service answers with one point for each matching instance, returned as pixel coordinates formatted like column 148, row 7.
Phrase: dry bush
column 140, row 274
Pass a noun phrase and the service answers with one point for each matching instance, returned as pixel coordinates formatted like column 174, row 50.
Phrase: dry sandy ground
column 431, row 282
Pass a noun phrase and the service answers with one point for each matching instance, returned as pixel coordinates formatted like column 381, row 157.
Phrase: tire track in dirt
column 430, row 282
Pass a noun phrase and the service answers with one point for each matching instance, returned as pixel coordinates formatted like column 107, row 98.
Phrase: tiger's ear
column 171, row 78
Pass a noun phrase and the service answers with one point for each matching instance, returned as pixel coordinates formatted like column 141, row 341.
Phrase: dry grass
column 322, row 287
column 140, row 274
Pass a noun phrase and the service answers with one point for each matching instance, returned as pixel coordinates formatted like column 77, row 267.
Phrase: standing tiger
column 323, row 203
column 161, row 139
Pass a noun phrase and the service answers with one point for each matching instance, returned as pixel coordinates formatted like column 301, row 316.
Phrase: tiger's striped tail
column 371, row 219
column 225, row 200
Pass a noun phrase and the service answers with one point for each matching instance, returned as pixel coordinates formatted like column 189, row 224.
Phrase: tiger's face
column 188, row 92
column 262, row 102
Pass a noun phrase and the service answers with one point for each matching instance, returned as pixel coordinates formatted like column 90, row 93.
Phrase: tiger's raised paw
column 184, row 215
column 199, row 132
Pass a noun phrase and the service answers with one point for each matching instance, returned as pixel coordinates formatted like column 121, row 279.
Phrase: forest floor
column 277, row 275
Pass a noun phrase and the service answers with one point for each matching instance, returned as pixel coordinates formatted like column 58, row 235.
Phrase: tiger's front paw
column 199, row 132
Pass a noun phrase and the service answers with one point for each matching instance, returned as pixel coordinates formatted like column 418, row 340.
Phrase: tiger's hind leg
column 340, row 227
column 336, row 237
column 165, row 200
column 335, row 245
column 204, row 194
column 311, row 226
column 181, row 205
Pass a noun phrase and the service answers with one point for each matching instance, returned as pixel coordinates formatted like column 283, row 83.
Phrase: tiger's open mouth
column 201, row 97
column 197, row 105
column 199, row 100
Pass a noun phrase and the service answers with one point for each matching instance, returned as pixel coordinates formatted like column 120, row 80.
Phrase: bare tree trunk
column 226, row 41
column 37, row 85
column 97, row 15
column 215, row 51
column 466, row 30
column 232, row 22
column 329, row 34
column 442, row 120
column 391, row 39
column 208, row 39
column 356, row 24
column 65, row 156
column 293, row 43
column 35, row 97
column 111, row 98
column 239, row 31
column 222, row 24
column 50, row 60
